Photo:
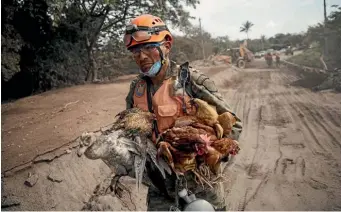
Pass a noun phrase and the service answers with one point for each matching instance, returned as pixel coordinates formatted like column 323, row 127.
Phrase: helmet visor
column 140, row 34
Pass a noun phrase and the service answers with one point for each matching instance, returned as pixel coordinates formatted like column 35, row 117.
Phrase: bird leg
column 197, row 179
column 163, row 150
column 117, row 187
column 202, row 179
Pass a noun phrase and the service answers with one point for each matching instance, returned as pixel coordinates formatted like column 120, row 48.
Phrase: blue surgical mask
column 154, row 70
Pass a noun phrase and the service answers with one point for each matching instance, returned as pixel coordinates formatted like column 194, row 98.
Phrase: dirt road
column 291, row 143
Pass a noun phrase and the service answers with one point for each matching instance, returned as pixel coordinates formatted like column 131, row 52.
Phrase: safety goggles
column 146, row 48
column 140, row 33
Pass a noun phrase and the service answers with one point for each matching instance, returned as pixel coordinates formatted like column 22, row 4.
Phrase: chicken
column 191, row 137
column 126, row 146
column 190, row 143
column 219, row 151
column 226, row 120
column 135, row 120
column 179, row 161
column 208, row 115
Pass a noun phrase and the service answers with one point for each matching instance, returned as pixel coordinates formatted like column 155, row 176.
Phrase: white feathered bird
column 126, row 146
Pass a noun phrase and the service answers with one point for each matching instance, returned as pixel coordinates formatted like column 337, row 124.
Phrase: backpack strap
column 185, row 82
column 150, row 103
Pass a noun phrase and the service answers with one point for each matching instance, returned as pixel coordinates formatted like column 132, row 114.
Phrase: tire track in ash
column 326, row 111
column 298, row 116
column 283, row 160
column 289, row 167
column 295, row 163
column 325, row 170
column 327, row 135
column 285, row 101
column 251, row 82
column 317, row 125
column 264, row 140
column 249, row 142
column 318, row 115
column 284, row 120
column 270, row 154
column 301, row 121
column 321, row 111
column 321, row 122
column 306, row 126
column 333, row 116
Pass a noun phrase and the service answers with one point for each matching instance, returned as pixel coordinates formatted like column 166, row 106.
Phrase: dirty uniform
column 167, row 108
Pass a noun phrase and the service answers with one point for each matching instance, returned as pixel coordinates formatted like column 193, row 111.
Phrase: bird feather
column 160, row 164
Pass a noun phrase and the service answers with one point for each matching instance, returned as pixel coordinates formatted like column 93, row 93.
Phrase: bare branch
column 127, row 5
column 84, row 7
column 93, row 7
column 94, row 39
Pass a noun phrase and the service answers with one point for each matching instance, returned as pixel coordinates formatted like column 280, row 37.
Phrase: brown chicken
column 208, row 115
column 135, row 120
column 227, row 120
column 218, row 151
column 179, row 161
column 197, row 138
column 180, row 146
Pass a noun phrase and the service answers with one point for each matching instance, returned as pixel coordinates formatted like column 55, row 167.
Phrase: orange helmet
column 146, row 29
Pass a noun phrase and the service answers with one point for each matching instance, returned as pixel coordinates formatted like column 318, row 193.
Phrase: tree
column 262, row 39
column 49, row 43
column 246, row 27
column 103, row 20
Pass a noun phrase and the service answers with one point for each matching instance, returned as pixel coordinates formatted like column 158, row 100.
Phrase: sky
column 225, row 17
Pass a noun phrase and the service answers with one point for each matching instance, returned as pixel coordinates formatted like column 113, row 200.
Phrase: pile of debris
column 333, row 81
column 331, row 78
column 212, row 60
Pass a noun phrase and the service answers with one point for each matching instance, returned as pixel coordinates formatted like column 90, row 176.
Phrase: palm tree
column 262, row 39
column 246, row 27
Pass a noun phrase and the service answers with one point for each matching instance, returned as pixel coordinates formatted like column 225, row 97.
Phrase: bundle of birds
column 197, row 138
column 126, row 146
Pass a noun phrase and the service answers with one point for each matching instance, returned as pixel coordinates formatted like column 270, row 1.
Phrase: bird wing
column 130, row 145
column 140, row 160
column 139, row 165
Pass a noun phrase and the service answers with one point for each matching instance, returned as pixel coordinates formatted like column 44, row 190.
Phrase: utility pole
column 325, row 11
column 325, row 50
column 202, row 40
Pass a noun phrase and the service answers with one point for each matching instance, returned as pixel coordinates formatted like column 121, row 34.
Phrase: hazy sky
column 224, row 17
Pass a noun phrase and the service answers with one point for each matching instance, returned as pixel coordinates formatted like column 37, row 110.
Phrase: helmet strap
column 163, row 61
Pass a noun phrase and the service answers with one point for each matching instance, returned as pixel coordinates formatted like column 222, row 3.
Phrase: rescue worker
column 268, row 59
column 278, row 59
column 150, row 41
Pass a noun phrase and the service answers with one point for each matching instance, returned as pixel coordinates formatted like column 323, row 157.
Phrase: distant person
column 278, row 60
column 268, row 59
column 148, row 39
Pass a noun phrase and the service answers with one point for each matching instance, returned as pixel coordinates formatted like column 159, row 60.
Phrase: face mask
column 154, row 70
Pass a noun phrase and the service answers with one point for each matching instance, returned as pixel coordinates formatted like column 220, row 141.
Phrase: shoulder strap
column 150, row 103
column 185, row 78
column 184, row 74
column 185, row 82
